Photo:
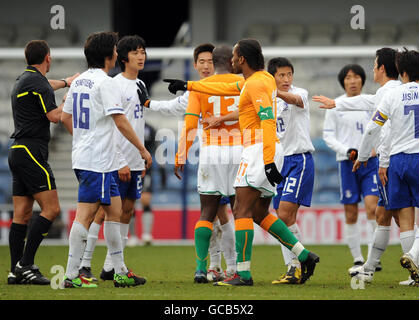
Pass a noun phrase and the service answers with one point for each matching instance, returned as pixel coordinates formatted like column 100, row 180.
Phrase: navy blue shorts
column 131, row 189
column 96, row 186
column 403, row 182
column 297, row 187
column 383, row 194
column 363, row 182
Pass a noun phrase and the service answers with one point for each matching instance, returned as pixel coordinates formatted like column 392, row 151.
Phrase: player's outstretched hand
column 273, row 174
column 143, row 94
column 124, row 174
column 382, row 173
column 178, row 168
column 175, row 85
column 69, row 80
column 352, row 154
column 210, row 121
column 326, row 103
column 147, row 158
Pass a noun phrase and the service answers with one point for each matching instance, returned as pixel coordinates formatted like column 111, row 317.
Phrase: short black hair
column 408, row 61
column 251, row 50
column 126, row 45
column 221, row 57
column 279, row 62
column 36, row 51
column 355, row 68
column 98, row 47
column 387, row 57
column 205, row 47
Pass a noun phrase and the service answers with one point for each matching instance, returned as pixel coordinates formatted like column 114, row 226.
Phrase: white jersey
column 370, row 102
column 91, row 100
column 134, row 112
column 343, row 130
column 293, row 124
column 401, row 106
column 174, row 107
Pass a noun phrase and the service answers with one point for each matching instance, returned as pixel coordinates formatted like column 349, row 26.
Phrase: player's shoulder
column 223, row 77
column 298, row 90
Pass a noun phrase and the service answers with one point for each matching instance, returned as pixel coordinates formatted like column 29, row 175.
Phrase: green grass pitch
column 169, row 271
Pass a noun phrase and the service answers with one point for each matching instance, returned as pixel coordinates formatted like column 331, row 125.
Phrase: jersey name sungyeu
column 134, row 112
column 293, row 122
column 401, row 106
column 92, row 99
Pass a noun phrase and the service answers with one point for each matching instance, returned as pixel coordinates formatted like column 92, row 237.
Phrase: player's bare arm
column 291, row 98
column 214, row 122
column 128, row 132
column 63, row 83
column 326, row 103
column 67, row 120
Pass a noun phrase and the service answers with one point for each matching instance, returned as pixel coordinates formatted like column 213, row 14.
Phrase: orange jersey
column 257, row 108
column 227, row 134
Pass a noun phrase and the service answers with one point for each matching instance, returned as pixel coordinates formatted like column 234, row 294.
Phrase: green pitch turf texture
column 169, row 271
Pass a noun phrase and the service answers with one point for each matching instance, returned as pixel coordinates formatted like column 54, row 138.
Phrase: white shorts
column 252, row 169
column 217, row 169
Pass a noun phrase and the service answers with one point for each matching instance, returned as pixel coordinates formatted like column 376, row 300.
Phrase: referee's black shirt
column 32, row 98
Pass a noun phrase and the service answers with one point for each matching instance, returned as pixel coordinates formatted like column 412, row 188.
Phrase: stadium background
column 298, row 30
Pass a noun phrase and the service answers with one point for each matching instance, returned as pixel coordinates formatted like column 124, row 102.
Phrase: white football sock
column 228, row 246
column 414, row 251
column 406, row 240
column 147, row 221
column 124, row 234
column 289, row 257
column 380, row 242
column 132, row 231
column 371, row 227
column 112, row 233
column 215, row 246
column 352, row 239
column 90, row 245
column 108, row 266
column 77, row 242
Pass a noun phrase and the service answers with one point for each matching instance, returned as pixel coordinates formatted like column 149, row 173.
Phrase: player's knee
column 51, row 212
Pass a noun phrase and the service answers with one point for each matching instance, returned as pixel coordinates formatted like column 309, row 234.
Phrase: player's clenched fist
column 273, row 174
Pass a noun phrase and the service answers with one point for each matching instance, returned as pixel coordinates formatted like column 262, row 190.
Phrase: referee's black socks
column 38, row 231
column 17, row 237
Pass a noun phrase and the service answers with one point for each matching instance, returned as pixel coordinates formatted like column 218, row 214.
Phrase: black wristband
column 65, row 83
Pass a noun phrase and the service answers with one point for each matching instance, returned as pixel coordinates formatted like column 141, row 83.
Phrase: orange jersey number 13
column 223, row 105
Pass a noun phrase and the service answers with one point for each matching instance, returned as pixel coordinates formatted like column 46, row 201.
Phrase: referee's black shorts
column 31, row 172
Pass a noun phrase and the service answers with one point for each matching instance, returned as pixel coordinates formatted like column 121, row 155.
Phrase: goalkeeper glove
column 273, row 174
column 352, row 154
column 143, row 95
column 176, row 85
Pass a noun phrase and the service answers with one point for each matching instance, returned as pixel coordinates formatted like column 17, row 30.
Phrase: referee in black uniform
column 33, row 104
